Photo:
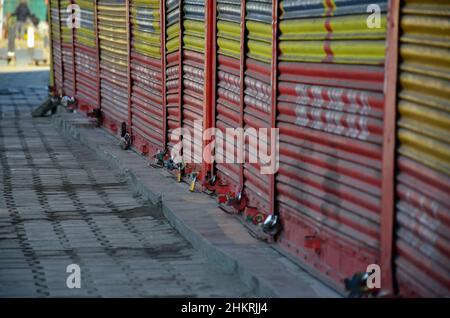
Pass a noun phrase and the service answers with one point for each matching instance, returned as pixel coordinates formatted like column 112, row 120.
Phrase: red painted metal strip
column 388, row 158
column 128, row 26
column 163, row 71
column 97, row 46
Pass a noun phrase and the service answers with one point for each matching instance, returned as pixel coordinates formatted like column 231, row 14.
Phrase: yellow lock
column 192, row 187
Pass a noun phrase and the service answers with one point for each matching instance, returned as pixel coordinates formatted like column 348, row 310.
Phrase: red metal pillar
column 209, row 68
column 60, row 48
column 128, row 25
column 213, row 76
column 389, row 139
column 180, row 67
column 163, row 70
column 97, row 44
column 52, row 83
column 274, row 86
column 243, row 47
column 74, row 77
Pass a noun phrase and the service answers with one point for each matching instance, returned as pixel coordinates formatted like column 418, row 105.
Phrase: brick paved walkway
column 59, row 205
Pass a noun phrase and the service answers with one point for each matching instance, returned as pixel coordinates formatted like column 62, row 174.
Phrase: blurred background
column 24, row 35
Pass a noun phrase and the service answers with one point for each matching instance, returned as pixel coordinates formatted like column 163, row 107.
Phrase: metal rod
column 128, row 26
column 180, row 67
column 163, row 70
column 97, row 43
column 389, row 140
column 210, row 74
column 274, row 87
column 243, row 47
column 74, row 84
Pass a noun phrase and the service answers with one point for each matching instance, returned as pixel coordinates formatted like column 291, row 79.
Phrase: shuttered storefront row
column 422, row 243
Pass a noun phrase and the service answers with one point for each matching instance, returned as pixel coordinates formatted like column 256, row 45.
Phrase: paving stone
column 60, row 205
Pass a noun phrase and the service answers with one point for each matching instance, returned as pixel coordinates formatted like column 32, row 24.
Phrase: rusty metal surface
column 423, row 180
column 147, row 76
column 330, row 115
column 112, row 18
column 258, row 96
column 173, row 80
column 67, row 50
column 86, row 77
column 228, row 85
column 193, row 70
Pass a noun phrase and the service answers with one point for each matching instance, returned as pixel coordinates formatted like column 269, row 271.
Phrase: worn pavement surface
column 60, row 205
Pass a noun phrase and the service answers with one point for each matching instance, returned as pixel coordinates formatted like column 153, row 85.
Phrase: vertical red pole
column 274, row 86
column 128, row 25
column 61, row 48
column 74, row 77
column 214, row 78
column 163, row 70
column 52, row 83
column 209, row 68
column 243, row 47
column 389, row 139
column 97, row 44
column 180, row 67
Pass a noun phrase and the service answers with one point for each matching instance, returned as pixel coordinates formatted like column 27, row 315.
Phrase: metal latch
column 125, row 140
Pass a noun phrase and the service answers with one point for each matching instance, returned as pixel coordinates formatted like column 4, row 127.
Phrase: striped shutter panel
column 330, row 116
column 55, row 29
column 194, row 40
column 228, row 86
column 147, row 76
column 86, row 76
column 257, row 109
column 173, row 80
column 423, row 180
column 67, row 50
column 112, row 19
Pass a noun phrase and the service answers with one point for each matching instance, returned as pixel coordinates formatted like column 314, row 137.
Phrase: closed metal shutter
column 113, row 32
column 330, row 116
column 194, row 41
column 228, row 87
column 173, row 80
column 67, row 50
column 56, row 44
column 146, row 75
column 86, row 75
column 423, row 180
column 258, row 97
